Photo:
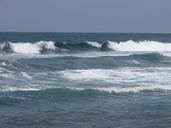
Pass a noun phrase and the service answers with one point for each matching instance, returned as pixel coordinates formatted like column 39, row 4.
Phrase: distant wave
column 45, row 46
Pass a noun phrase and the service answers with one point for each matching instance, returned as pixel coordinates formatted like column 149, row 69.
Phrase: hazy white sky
column 86, row 15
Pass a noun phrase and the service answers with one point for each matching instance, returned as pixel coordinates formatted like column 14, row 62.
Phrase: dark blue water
column 85, row 80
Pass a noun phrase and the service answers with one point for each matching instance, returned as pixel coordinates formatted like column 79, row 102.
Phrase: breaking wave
column 131, row 46
column 128, row 46
column 27, row 48
column 41, row 46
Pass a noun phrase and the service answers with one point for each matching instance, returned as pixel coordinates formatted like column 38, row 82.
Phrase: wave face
column 99, row 80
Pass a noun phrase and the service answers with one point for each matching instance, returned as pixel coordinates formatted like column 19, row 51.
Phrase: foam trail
column 131, row 46
column 14, row 89
column 135, row 89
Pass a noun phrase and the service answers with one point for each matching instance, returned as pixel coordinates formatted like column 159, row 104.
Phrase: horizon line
column 87, row 32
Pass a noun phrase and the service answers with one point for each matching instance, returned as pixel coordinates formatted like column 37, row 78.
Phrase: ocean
column 85, row 80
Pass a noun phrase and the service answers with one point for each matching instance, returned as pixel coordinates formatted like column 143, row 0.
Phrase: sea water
column 85, row 80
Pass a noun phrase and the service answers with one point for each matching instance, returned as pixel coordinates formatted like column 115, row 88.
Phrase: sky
column 127, row 16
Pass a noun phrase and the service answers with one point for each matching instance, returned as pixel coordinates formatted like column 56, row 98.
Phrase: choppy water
column 85, row 80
